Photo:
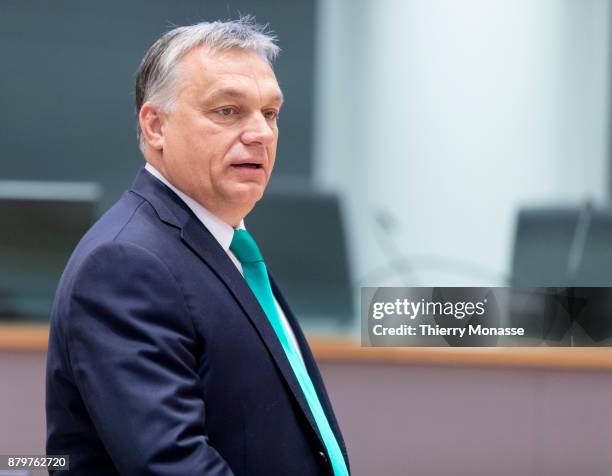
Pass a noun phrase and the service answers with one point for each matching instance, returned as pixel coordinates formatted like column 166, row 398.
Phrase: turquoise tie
column 256, row 275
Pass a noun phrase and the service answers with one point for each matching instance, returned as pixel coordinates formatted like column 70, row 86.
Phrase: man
column 172, row 351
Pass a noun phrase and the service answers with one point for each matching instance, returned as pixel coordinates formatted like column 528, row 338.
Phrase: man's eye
column 271, row 114
column 226, row 111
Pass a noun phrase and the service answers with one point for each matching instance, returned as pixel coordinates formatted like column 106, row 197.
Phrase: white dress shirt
column 223, row 233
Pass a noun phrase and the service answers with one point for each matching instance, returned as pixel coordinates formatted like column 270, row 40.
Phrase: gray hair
column 156, row 80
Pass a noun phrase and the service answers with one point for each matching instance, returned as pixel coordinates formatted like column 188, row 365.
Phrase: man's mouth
column 249, row 166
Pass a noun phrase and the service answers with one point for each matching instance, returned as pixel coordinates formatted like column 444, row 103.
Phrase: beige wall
column 413, row 420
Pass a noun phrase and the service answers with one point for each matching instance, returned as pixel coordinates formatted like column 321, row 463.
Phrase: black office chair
column 566, row 252
column 40, row 224
column 302, row 237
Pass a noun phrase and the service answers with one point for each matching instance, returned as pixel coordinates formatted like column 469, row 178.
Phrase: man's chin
column 247, row 194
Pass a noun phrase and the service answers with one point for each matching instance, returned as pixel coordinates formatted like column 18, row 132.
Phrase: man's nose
column 258, row 130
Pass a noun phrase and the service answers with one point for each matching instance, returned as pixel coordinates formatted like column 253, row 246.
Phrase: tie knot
column 244, row 247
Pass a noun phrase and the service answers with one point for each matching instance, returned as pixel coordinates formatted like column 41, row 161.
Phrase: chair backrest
column 568, row 248
column 302, row 236
column 543, row 239
column 40, row 224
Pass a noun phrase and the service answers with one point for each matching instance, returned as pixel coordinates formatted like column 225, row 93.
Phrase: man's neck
column 219, row 228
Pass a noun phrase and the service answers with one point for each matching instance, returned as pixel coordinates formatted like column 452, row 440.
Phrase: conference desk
column 34, row 337
column 421, row 411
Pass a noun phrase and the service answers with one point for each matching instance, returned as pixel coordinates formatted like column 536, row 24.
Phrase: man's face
column 219, row 140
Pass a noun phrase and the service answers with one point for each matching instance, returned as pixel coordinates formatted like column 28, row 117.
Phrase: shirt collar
column 223, row 232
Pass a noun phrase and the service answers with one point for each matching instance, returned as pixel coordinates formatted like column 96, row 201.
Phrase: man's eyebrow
column 278, row 98
column 224, row 93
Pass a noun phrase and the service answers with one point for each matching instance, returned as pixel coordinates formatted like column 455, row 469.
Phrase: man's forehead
column 271, row 93
column 230, row 72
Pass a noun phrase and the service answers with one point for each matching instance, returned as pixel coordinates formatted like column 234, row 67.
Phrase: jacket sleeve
column 132, row 349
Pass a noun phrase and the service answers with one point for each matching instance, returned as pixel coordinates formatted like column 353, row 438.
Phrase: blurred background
column 422, row 143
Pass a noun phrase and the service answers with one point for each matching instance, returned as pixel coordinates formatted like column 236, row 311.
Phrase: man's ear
column 151, row 119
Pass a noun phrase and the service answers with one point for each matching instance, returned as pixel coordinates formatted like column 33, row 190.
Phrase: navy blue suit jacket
column 162, row 362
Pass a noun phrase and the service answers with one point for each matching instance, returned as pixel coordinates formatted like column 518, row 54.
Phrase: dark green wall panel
column 66, row 88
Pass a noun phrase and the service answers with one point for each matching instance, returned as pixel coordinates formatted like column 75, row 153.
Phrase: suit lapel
column 173, row 211
column 311, row 366
column 199, row 239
